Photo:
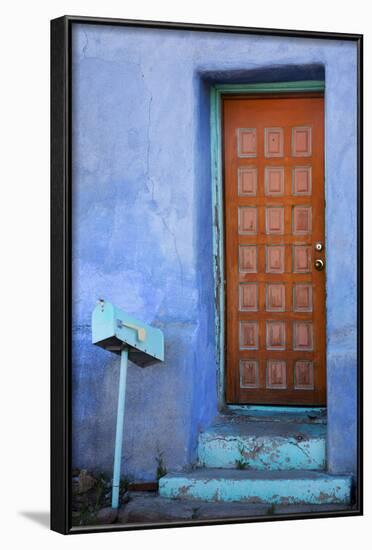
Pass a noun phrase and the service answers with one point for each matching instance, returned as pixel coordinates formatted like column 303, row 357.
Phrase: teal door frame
column 217, row 198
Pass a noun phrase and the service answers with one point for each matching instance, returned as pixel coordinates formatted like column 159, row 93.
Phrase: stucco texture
column 142, row 229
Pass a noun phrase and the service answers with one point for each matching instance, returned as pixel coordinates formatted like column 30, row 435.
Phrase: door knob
column 319, row 265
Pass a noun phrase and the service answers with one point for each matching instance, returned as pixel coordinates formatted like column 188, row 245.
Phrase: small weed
column 100, row 488
column 194, row 514
column 86, row 514
column 241, row 463
column 124, row 484
column 161, row 470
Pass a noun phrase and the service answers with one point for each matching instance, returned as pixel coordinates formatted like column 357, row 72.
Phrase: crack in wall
column 151, row 180
column 301, row 449
column 84, row 48
column 174, row 244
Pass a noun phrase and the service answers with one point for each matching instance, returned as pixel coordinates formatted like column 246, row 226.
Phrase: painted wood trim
column 217, row 198
column 218, row 238
column 299, row 86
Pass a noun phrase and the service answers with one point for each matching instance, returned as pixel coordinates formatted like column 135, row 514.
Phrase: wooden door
column 274, row 228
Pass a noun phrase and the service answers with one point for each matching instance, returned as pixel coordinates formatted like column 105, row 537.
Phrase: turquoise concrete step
column 275, row 487
column 237, row 442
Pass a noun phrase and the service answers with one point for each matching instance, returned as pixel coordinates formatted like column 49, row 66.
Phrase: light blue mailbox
column 116, row 331
column 113, row 329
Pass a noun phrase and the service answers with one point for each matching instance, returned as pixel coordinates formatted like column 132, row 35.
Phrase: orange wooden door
column 274, row 222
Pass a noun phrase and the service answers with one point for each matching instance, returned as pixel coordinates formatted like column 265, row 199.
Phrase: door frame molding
column 216, row 93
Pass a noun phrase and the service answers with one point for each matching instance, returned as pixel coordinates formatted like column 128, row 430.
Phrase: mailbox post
column 119, row 428
column 120, row 333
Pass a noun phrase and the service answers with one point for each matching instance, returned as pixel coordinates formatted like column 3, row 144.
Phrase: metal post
column 119, row 428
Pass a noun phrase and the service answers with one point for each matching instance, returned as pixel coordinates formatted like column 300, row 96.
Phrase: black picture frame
column 61, row 280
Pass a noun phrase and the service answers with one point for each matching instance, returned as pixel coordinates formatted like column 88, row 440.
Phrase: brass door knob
column 319, row 265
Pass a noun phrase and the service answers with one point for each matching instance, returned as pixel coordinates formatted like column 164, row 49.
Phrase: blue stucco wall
column 142, row 229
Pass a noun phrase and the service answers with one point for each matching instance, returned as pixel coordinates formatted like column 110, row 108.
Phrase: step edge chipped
column 274, row 453
column 310, row 488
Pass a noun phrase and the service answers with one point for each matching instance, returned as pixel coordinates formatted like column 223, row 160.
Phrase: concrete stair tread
column 236, row 474
column 262, row 445
column 276, row 487
column 277, row 414
column 240, row 427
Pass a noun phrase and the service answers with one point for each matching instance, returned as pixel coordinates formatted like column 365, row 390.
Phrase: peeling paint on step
column 254, row 487
column 263, row 446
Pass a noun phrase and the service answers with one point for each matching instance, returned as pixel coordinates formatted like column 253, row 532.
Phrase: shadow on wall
column 283, row 73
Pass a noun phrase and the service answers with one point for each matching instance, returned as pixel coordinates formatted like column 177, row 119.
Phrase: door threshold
column 271, row 413
column 276, row 408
